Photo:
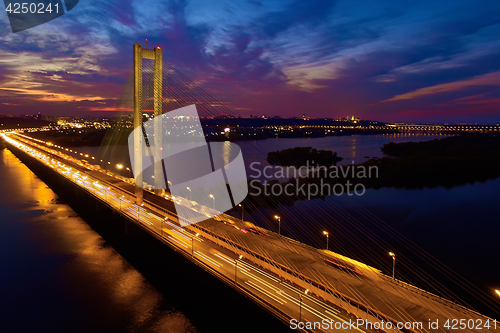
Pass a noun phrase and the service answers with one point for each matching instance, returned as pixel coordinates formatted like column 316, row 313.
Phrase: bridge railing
column 437, row 298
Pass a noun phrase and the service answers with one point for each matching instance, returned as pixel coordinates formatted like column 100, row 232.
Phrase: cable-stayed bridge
column 293, row 281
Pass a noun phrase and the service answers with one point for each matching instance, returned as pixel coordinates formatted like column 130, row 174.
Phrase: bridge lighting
column 300, row 306
column 236, row 269
column 242, row 212
column 213, row 201
column 279, row 223
column 393, row 255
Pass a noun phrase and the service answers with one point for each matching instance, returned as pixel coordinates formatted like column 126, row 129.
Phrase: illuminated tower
column 155, row 147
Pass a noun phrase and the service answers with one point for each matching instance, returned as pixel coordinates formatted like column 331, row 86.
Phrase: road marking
column 265, row 292
column 213, row 262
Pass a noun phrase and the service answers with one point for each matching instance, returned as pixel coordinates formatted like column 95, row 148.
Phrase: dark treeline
column 447, row 162
column 301, row 156
column 14, row 123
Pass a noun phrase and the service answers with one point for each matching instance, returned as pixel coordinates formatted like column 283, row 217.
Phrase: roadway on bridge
column 293, row 301
column 375, row 289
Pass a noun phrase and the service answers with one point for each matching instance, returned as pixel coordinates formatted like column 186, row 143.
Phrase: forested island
column 448, row 162
column 303, row 156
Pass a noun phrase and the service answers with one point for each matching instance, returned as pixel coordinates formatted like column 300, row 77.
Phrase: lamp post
column 192, row 244
column 242, row 212
column 393, row 255
column 236, row 269
column 279, row 223
column 161, row 226
column 189, row 193
column 327, row 236
column 300, row 306
column 128, row 169
column 119, row 167
column 213, row 201
column 498, row 292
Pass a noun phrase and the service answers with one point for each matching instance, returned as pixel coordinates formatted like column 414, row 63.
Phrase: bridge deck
column 322, row 272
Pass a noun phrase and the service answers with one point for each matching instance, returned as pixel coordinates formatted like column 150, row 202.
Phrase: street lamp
column 236, row 268
column 300, row 306
column 327, row 235
column 161, row 226
column 279, row 223
column 119, row 167
column 393, row 255
column 189, row 193
column 498, row 292
column 242, row 212
column 213, row 201
column 192, row 244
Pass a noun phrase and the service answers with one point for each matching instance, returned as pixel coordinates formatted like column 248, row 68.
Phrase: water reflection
column 62, row 274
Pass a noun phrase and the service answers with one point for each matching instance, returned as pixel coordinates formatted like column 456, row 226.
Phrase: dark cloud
column 323, row 58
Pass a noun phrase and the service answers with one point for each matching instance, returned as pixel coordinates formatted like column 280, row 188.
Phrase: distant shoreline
column 448, row 162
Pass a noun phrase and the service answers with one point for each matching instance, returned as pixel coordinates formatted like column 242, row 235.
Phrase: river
column 59, row 275
column 455, row 230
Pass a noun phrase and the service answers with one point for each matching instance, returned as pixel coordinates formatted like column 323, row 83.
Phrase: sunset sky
column 421, row 61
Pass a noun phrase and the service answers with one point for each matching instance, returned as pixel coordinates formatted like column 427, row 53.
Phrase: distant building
column 349, row 119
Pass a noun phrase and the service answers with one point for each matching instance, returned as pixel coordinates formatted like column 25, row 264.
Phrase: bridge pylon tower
column 155, row 54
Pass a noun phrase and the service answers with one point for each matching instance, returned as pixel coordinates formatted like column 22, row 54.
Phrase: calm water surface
column 58, row 275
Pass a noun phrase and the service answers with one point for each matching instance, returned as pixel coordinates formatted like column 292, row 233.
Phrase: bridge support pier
column 157, row 56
